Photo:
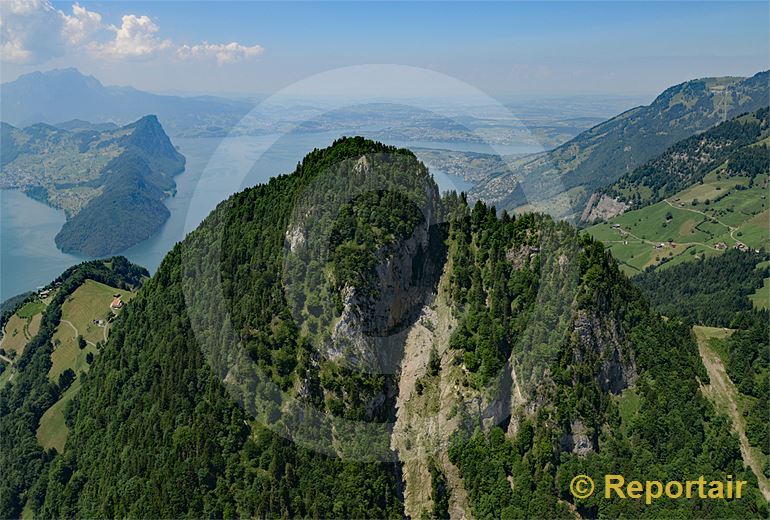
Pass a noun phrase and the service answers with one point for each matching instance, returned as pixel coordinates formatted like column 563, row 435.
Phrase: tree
column 65, row 379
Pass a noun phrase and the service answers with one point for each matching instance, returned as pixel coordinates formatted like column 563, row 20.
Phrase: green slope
column 717, row 214
column 733, row 149
column 28, row 393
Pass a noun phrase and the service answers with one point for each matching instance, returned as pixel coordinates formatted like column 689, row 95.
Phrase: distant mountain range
column 110, row 181
column 562, row 179
column 66, row 94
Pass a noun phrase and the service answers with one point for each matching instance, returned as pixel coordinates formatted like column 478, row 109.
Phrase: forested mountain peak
column 345, row 342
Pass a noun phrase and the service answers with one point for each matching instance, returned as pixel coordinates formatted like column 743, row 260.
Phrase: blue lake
column 216, row 168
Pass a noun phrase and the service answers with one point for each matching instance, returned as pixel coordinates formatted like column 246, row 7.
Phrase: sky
column 503, row 49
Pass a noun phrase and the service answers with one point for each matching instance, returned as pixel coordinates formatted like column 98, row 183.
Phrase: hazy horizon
column 508, row 50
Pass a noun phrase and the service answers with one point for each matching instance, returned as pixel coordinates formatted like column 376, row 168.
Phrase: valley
column 702, row 196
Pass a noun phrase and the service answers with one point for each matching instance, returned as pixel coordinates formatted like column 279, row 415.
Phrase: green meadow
column 91, row 301
column 704, row 219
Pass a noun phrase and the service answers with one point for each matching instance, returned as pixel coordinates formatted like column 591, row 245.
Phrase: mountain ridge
column 66, row 94
column 736, row 142
column 600, row 155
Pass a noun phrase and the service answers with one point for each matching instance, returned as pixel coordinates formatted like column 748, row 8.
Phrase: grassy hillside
column 91, row 301
column 733, row 149
column 20, row 327
column 705, row 219
column 27, row 392
column 761, row 298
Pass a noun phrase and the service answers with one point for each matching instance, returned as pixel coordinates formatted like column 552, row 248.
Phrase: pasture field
column 91, row 301
column 52, row 431
column 30, row 309
column 21, row 327
column 704, row 219
column 67, row 353
column 761, row 298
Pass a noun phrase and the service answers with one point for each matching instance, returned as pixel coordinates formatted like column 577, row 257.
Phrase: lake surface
column 215, row 169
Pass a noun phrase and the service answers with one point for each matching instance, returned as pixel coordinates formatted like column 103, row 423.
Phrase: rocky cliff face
column 602, row 207
column 601, row 336
column 398, row 320
column 369, row 318
column 435, row 401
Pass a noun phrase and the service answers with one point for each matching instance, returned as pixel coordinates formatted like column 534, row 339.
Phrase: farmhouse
column 117, row 303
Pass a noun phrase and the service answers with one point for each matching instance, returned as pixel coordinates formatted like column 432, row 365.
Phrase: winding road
column 713, row 219
column 78, row 333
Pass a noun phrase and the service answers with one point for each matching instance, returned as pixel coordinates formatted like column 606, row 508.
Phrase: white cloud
column 223, row 52
column 135, row 38
column 33, row 31
column 30, row 31
column 81, row 24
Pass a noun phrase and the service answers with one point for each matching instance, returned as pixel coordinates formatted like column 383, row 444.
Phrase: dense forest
column 708, row 291
column 253, row 374
column 129, row 210
column 211, row 464
column 670, row 429
column 130, row 207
